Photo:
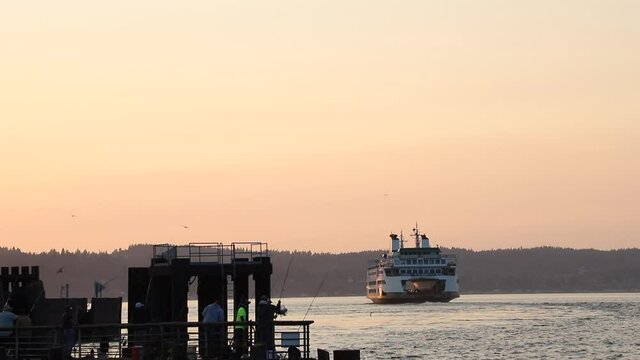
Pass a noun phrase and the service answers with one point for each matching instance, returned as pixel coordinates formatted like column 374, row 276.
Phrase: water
column 523, row 326
column 552, row 326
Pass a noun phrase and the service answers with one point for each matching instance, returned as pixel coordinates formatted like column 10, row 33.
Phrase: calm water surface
column 552, row 326
column 523, row 326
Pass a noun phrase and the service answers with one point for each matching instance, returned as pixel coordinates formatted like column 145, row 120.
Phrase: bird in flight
column 185, row 226
column 59, row 271
column 72, row 214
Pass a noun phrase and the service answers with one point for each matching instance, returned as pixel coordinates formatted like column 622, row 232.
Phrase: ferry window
column 438, row 271
column 430, row 261
column 419, row 261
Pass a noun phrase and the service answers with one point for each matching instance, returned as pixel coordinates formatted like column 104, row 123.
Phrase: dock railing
column 170, row 340
column 212, row 252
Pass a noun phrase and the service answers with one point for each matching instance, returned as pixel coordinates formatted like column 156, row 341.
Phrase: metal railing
column 213, row 253
column 171, row 340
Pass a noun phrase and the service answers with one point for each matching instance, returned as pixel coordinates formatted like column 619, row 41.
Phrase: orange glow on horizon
column 493, row 125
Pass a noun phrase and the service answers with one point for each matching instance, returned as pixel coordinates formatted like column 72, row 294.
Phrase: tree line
column 541, row 269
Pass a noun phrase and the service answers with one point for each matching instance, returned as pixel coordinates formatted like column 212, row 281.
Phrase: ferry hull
column 400, row 298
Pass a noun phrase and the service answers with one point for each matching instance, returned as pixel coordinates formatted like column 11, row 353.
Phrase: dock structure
column 218, row 268
column 21, row 283
column 163, row 286
column 223, row 272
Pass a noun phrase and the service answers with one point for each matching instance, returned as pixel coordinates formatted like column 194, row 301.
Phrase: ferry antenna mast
column 416, row 234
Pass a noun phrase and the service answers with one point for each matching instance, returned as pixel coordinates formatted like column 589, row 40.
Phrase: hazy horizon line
column 115, row 250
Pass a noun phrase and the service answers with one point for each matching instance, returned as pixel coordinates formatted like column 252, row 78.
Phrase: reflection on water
column 568, row 326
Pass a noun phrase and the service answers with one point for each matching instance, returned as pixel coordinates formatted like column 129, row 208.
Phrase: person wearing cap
column 213, row 314
column 240, row 330
column 265, row 329
column 138, row 335
column 140, row 315
column 7, row 320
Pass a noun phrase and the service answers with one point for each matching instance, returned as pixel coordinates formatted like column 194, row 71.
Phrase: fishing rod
column 286, row 275
column 35, row 302
column 314, row 298
column 275, row 281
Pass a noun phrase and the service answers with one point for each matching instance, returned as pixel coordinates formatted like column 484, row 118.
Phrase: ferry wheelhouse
column 418, row 274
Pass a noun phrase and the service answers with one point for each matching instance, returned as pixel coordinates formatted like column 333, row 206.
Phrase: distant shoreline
column 544, row 270
column 487, row 293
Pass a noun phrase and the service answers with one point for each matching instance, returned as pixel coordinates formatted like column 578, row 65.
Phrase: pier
column 223, row 272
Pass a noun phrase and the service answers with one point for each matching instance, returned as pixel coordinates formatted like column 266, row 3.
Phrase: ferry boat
column 412, row 274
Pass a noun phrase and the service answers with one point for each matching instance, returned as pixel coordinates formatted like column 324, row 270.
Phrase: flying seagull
column 72, row 214
column 185, row 226
column 59, row 271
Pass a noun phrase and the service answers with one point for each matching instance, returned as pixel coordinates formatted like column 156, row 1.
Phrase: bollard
column 323, row 354
column 346, row 354
column 293, row 353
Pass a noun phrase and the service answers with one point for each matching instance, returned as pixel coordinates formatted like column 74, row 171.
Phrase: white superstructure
column 416, row 274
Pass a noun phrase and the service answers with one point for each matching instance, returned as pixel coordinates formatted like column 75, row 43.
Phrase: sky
column 320, row 126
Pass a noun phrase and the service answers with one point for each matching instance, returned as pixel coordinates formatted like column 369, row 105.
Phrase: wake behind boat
column 416, row 274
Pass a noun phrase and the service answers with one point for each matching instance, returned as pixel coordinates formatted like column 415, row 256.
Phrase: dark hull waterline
column 402, row 299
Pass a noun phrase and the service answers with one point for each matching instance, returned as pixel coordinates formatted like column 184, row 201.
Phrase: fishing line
column 286, row 275
column 314, row 298
column 35, row 302
column 275, row 282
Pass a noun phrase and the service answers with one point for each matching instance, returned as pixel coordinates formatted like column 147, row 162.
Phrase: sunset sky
column 319, row 125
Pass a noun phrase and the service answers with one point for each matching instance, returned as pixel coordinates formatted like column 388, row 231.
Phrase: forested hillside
column 544, row 269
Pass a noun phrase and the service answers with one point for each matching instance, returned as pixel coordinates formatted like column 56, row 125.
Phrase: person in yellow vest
column 240, row 330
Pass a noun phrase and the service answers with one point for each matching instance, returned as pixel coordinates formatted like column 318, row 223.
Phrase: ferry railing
column 168, row 340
